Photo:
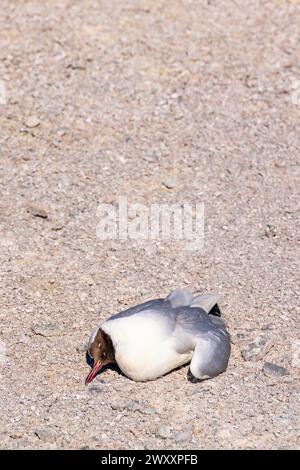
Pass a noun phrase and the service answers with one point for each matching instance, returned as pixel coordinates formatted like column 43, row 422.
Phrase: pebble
column 57, row 226
column 170, row 182
column 270, row 231
column 23, row 339
column 257, row 349
column 96, row 389
column 286, row 419
column 43, row 434
column 183, row 436
column 82, row 348
column 148, row 411
column 16, row 435
column 47, row 330
column 269, row 326
column 141, row 407
column 118, row 405
column 32, row 121
column 164, row 431
column 151, row 156
column 37, row 211
column 237, row 338
column 273, row 370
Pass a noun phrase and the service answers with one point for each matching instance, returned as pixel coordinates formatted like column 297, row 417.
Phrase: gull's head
column 101, row 351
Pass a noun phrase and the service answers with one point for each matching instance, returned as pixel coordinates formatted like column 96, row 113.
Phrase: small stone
column 164, row 431
column 37, row 210
column 57, row 226
column 141, row 407
column 183, row 436
column 286, row 419
column 148, row 411
column 16, row 435
column 95, row 389
column 170, row 182
column 43, row 434
column 257, row 349
column 61, row 132
column 118, row 405
column 269, row 326
column 134, row 431
column 270, row 231
column 32, row 121
column 82, row 348
column 237, row 338
column 151, row 156
column 134, row 406
column 273, row 370
column 48, row 329
column 22, row 339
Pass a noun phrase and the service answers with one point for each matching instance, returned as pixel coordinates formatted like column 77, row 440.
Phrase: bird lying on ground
column 155, row 337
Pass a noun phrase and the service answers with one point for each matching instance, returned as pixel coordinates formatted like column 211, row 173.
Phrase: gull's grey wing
column 150, row 304
column 179, row 311
column 179, row 297
column 196, row 320
column 192, row 323
column 211, row 354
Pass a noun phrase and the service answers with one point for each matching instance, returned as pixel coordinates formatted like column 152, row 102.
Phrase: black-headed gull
column 153, row 338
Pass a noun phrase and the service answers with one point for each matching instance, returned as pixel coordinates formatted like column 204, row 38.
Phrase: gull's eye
column 104, row 355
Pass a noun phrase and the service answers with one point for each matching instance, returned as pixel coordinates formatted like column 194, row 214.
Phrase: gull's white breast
column 144, row 345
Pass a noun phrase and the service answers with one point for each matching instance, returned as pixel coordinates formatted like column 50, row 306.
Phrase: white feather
column 144, row 348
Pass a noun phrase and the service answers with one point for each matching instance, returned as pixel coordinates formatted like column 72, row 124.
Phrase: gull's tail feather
column 207, row 302
column 184, row 298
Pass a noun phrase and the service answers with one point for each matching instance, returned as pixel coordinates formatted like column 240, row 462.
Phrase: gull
column 151, row 339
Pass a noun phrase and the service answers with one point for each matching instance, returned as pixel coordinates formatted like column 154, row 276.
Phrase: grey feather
column 180, row 298
column 206, row 301
column 138, row 308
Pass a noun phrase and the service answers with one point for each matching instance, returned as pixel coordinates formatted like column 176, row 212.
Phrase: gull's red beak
column 93, row 372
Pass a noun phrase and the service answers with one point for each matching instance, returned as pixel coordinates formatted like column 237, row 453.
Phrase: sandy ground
column 160, row 102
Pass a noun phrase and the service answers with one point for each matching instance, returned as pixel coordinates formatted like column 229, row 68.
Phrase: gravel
column 47, row 330
column 32, row 121
column 43, row 434
column 122, row 96
column 257, row 349
column 183, row 436
column 118, row 405
column 170, row 182
column 82, row 347
column 37, row 210
column 164, row 431
column 273, row 370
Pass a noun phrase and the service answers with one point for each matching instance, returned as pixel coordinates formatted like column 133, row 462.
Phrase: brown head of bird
column 101, row 351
